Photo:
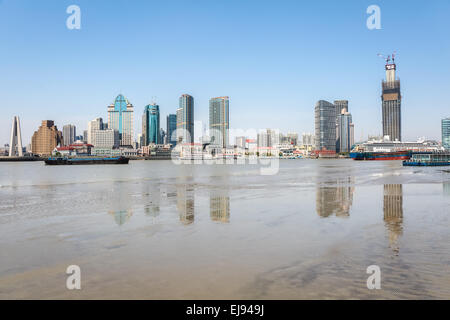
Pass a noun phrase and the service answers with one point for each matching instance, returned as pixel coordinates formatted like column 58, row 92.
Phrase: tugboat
column 53, row 161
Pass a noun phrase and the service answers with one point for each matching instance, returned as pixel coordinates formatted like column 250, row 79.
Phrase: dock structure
column 431, row 159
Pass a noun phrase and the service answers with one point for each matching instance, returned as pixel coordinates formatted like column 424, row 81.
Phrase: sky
column 274, row 59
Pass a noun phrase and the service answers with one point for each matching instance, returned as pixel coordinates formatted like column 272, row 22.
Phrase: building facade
column 240, row 142
column 69, row 134
column 121, row 118
column 446, row 133
column 185, row 119
column 151, row 129
column 171, row 127
column 46, row 138
column 108, row 138
column 391, row 104
column 93, row 125
column 325, row 126
column 344, row 132
column 339, row 106
column 308, row 139
column 219, row 121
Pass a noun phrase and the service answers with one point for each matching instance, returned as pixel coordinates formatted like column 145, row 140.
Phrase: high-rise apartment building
column 121, row 118
column 46, row 138
column 151, row 129
column 15, row 144
column 339, row 105
column 268, row 138
column 325, row 126
column 69, row 134
column 219, row 121
column 344, row 141
column 240, row 142
column 391, row 104
column 185, row 119
column 446, row 133
column 308, row 139
column 171, row 127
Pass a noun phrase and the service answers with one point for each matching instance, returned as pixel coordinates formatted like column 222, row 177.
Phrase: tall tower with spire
column 391, row 102
column 15, row 145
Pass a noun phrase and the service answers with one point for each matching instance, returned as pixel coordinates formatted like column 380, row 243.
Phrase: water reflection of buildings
column 219, row 206
column 121, row 216
column 335, row 198
column 152, row 208
column 446, row 188
column 393, row 212
column 185, row 203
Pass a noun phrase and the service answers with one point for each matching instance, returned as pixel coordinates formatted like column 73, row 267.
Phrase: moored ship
column 395, row 155
column 392, row 150
column 87, row 160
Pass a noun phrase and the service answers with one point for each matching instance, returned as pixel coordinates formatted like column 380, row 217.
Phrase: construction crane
column 388, row 58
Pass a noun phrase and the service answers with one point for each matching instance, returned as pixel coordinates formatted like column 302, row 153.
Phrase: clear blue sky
column 274, row 59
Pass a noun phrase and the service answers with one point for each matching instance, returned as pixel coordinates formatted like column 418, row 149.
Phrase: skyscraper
column 446, row 133
column 219, row 121
column 185, row 119
column 339, row 105
column 15, row 144
column 171, row 127
column 121, row 118
column 46, row 138
column 391, row 103
column 325, row 126
column 69, row 134
column 151, row 125
column 345, row 131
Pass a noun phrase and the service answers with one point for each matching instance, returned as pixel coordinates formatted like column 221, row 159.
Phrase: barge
column 428, row 160
column 83, row 161
column 395, row 155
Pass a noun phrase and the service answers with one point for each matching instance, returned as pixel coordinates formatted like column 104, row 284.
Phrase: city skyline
column 291, row 73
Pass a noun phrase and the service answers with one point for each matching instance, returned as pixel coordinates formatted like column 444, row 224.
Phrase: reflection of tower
column 393, row 211
column 446, row 188
column 121, row 216
column 219, row 207
column 335, row 199
column 185, row 203
column 15, row 145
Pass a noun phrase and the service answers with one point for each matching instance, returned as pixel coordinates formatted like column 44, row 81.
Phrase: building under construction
column 391, row 102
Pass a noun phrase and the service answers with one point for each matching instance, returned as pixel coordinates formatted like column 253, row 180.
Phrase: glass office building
column 219, row 121
column 121, row 118
column 170, row 129
column 325, row 126
column 151, row 129
column 446, row 133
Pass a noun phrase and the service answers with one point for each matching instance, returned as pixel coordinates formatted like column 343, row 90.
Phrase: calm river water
column 156, row 230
